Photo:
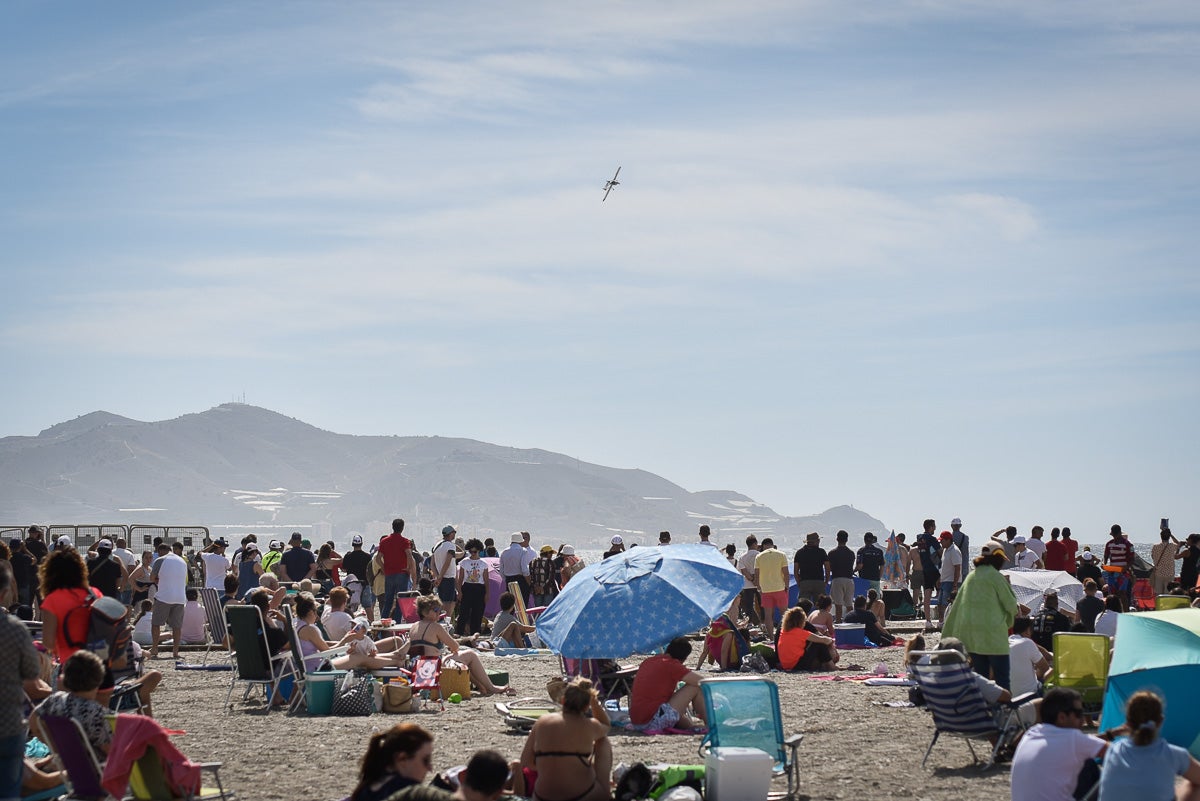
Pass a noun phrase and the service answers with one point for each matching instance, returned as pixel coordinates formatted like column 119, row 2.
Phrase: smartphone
column 1164, row 524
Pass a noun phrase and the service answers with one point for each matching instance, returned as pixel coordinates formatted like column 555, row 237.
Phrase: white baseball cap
column 356, row 539
column 616, row 540
column 105, row 543
column 956, row 521
column 64, row 541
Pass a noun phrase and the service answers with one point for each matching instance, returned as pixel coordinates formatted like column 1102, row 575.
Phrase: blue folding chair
column 743, row 712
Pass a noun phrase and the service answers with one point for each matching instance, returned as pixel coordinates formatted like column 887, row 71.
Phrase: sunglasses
column 1078, row 710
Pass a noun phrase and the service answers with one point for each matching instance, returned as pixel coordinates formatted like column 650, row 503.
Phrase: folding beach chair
column 70, row 744
column 214, row 615
column 253, row 666
column 743, row 712
column 521, row 714
column 1081, row 664
column 1172, row 602
column 302, row 671
column 427, row 674
column 611, row 680
column 145, row 765
column 958, row 706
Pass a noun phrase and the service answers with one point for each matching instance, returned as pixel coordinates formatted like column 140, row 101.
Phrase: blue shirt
column 1144, row 772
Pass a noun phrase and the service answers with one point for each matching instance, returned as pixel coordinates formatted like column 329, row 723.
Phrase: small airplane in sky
column 610, row 185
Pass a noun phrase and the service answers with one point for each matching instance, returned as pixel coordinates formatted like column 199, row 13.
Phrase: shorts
column 810, row 588
column 663, row 719
column 776, row 600
column 916, row 580
column 944, row 593
column 448, row 591
column 842, row 591
column 931, row 579
column 165, row 614
column 366, row 597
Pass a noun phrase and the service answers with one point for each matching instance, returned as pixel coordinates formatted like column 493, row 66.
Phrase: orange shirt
column 791, row 646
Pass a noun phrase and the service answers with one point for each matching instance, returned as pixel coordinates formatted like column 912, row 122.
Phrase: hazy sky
column 929, row 259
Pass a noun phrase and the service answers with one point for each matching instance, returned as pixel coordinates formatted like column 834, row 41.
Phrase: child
column 143, row 633
column 507, row 631
column 336, row 621
column 192, row 632
column 875, row 605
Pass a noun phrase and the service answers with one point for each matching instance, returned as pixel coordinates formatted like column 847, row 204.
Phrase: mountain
column 242, row 468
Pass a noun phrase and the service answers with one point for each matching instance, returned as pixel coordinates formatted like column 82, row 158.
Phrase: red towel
column 133, row 735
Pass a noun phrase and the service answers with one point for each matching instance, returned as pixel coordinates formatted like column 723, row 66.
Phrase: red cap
column 946, row 535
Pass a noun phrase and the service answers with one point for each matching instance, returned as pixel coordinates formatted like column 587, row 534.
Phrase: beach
column 853, row 747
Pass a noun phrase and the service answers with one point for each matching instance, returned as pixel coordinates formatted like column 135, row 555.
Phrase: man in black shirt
column 24, row 575
column 1089, row 607
column 875, row 632
column 35, row 543
column 811, row 568
column 870, row 561
column 841, row 572
column 106, row 572
column 1048, row 621
column 358, row 564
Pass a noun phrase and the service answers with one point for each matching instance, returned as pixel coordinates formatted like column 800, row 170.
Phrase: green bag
column 675, row 775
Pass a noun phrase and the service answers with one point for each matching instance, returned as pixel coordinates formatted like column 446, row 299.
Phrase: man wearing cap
column 950, row 574
column 810, row 565
column 297, row 562
column 357, row 563
column 1089, row 567
column 771, row 577
column 511, row 559
column 35, row 543
column 617, row 545
column 105, row 571
column 1023, row 557
column 541, row 577
column 963, row 543
column 399, row 568
column 270, row 559
column 215, row 564
column 445, row 573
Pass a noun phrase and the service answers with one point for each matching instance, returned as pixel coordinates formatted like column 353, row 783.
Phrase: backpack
column 108, row 629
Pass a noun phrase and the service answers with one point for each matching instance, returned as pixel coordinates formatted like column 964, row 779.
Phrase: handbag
column 356, row 698
column 397, row 697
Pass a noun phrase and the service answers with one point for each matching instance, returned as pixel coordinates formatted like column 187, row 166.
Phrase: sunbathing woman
column 429, row 638
column 362, row 655
column 571, row 751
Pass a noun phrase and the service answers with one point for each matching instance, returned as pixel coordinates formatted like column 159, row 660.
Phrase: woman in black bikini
column 571, row 751
column 429, row 638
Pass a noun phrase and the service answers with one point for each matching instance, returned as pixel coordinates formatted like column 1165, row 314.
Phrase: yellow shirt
column 769, row 565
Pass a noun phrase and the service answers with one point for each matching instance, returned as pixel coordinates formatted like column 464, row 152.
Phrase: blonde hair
column 578, row 695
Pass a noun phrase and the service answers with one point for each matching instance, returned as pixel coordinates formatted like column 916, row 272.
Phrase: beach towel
column 134, row 734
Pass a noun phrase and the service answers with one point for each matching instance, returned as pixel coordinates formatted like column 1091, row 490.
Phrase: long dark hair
column 382, row 748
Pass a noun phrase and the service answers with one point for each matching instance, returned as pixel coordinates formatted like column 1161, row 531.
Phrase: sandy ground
column 853, row 748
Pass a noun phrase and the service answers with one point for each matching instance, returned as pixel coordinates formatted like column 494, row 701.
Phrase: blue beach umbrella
column 638, row 601
column 1158, row 651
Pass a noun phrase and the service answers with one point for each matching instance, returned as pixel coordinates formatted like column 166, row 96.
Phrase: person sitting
column 1029, row 662
column 335, row 619
column 1106, row 621
column 570, row 750
column 800, row 647
column 429, row 638
column 485, row 778
column 1052, row 755
column 1145, row 765
column 143, row 631
column 876, row 606
column 231, row 588
column 277, row 639
column 917, row 643
column 822, row 618
column 1048, row 621
column 276, row 591
column 655, row 704
column 81, row 676
column 875, row 632
column 507, row 631
column 395, row 759
column 1090, row 606
column 192, row 631
column 357, row 658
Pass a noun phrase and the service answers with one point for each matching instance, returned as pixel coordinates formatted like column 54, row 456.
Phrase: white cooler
column 737, row 774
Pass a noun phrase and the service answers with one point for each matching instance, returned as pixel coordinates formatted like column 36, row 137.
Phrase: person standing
column 169, row 574
column 1055, row 557
column 511, row 559
column 1023, row 557
column 1070, row 548
column 841, row 576
column 982, row 615
column 1162, row 557
column 1036, row 544
column 35, row 543
column 527, row 557
column 399, row 568
column 950, row 574
column 19, row 663
column 216, row 564
column 869, row 562
column 963, row 543
column 810, row 565
column 1189, row 566
column 249, row 570
column 24, row 572
column 705, row 533
column 297, row 562
column 127, row 558
column 357, row 563
column 1118, row 552
column 445, row 581
column 750, row 602
column 929, row 552
column 105, row 572
column 471, row 583
column 271, row 558
column 771, row 577
column 664, row 538
column 541, row 577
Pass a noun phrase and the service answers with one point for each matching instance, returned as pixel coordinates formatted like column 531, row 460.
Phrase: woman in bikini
column 429, row 638
column 571, row 751
column 362, row 654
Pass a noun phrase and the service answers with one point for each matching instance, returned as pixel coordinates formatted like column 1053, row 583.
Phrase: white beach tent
column 1030, row 585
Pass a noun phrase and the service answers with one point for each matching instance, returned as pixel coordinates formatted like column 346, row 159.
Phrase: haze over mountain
column 242, row 468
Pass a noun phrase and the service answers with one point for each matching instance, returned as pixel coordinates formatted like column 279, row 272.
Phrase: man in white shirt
column 216, row 564
column 169, row 573
column 749, row 604
column 951, row 575
column 1028, row 662
column 527, row 558
column 511, row 560
column 1050, row 756
column 1023, row 557
column 445, row 572
column 1035, row 543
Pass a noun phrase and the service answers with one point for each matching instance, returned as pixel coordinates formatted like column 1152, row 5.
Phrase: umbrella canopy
column 639, row 600
column 1030, row 585
column 1158, row 651
column 496, row 587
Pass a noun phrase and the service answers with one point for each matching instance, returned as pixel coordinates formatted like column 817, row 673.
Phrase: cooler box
column 319, row 689
column 850, row 634
column 737, row 774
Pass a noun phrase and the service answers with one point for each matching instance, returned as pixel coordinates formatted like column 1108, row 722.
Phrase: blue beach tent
column 1158, row 651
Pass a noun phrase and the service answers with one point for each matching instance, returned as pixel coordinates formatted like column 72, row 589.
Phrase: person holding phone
column 1163, row 556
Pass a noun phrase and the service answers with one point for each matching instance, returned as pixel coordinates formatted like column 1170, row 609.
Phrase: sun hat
column 516, row 537
column 616, row 540
column 1018, row 540
column 64, row 542
column 546, row 549
column 568, row 550
column 276, row 545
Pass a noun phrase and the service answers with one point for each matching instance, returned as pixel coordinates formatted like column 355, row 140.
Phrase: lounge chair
column 214, row 615
column 1081, row 664
column 144, row 762
column 301, row 693
column 521, row 714
column 743, row 712
column 610, row 680
column 958, row 707
column 79, row 761
column 251, row 661
column 1172, row 602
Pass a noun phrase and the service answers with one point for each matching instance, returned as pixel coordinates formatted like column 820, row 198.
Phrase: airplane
column 608, row 185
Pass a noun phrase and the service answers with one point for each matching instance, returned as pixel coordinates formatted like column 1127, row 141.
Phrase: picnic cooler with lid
column 321, row 688
column 454, row 679
column 737, row 774
column 850, row 634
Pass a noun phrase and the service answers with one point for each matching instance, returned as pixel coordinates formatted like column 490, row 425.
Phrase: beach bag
column 356, row 698
column 571, row 569
column 397, row 697
column 454, row 679
column 678, row 775
column 108, row 630
column 754, row 663
column 634, row 783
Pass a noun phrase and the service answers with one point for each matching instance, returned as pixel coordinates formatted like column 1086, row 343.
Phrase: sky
column 930, row 259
